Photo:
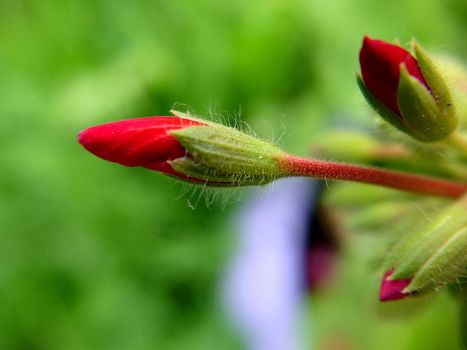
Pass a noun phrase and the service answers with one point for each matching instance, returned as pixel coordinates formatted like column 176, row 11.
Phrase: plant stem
column 297, row 166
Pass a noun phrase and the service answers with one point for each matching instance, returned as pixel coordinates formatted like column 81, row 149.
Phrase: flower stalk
column 199, row 151
column 297, row 166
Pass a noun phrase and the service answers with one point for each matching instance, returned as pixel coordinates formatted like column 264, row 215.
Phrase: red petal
column 380, row 66
column 136, row 142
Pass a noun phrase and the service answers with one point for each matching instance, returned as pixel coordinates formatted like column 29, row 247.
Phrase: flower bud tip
column 392, row 289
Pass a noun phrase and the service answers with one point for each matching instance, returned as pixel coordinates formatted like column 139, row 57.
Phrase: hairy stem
column 297, row 166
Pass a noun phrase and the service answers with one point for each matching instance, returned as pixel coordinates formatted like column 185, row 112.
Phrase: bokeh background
column 98, row 256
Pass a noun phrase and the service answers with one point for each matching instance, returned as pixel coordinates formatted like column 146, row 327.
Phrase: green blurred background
column 98, row 256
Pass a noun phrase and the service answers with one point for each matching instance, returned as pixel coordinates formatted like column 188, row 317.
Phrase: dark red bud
column 392, row 289
column 380, row 65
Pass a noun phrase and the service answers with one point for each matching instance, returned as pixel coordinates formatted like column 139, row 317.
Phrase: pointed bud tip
column 377, row 44
column 85, row 138
column 367, row 40
column 82, row 137
column 392, row 289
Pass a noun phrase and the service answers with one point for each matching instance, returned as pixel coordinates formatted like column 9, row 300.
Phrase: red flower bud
column 191, row 149
column 393, row 289
column 380, row 64
column 145, row 142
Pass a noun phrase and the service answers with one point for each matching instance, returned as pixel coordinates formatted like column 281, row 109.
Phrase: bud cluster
column 405, row 88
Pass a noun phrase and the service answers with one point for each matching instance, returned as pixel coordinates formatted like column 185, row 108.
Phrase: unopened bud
column 406, row 90
column 434, row 256
column 190, row 149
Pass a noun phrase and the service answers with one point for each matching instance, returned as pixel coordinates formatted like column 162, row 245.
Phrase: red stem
column 297, row 166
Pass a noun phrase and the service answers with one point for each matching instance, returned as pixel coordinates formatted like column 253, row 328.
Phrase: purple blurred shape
column 264, row 287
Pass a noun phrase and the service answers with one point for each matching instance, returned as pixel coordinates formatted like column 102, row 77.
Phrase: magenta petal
column 392, row 290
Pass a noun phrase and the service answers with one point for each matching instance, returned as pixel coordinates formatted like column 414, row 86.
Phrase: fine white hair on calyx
column 221, row 196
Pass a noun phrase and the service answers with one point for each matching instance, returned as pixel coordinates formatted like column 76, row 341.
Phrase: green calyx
column 421, row 111
column 224, row 155
column 436, row 255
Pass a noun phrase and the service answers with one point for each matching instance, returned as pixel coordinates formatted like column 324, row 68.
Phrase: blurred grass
column 97, row 256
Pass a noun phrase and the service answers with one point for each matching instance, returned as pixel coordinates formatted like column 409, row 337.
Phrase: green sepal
column 388, row 114
column 217, row 153
column 435, row 81
column 420, row 111
column 215, row 177
column 443, row 267
column 435, row 255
